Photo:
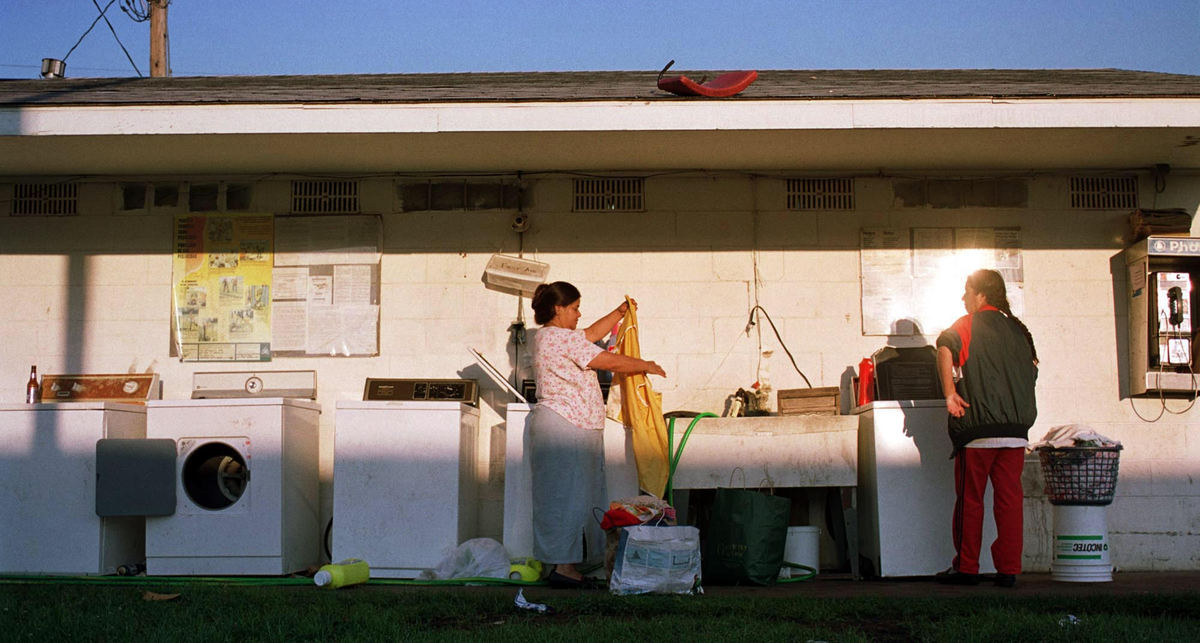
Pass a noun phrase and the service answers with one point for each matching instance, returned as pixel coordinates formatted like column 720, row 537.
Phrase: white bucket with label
column 1080, row 550
column 803, row 547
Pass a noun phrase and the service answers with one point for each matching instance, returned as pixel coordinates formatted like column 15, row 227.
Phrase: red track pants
column 972, row 470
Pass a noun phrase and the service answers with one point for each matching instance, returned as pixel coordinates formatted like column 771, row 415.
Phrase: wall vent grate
column 609, row 195
column 45, row 199
column 325, row 197
column 820, row 194
column 1104, row 192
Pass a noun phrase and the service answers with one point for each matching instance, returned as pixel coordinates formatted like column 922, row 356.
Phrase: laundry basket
column 1080, row 475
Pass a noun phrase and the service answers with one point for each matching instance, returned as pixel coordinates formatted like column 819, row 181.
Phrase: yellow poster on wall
column 221, row 282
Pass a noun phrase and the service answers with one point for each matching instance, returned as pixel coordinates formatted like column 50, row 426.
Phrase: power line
column 104, row 17
column 114, row 33
column 89, row 29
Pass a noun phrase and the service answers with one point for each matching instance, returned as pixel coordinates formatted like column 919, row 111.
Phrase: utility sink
column 778, row 451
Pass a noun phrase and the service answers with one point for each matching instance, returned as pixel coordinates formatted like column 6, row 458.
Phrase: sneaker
column 954, row 577
column 1004, row 580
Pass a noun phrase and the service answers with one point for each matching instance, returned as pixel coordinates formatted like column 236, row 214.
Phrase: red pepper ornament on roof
column 727, row 84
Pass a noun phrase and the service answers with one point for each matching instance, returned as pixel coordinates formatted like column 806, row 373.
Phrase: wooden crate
column 823, row 400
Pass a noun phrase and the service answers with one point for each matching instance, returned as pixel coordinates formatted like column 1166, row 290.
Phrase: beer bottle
column 33, row 390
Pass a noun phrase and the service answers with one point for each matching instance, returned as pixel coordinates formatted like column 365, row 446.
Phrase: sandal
column 560, row 581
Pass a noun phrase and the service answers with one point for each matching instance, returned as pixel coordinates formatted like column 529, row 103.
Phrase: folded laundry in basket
column 1073, row 435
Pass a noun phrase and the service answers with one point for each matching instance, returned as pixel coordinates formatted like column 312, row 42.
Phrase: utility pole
column 160, row 64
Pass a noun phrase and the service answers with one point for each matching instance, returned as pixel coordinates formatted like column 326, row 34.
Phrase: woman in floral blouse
column 566, row 427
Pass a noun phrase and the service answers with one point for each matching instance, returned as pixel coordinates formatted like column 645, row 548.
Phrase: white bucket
column 1080, row 550
column 803, row 547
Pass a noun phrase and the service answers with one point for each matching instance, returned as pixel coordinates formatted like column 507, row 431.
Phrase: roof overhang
column 786, row 135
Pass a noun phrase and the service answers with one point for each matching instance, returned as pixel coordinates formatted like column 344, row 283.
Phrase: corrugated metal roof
column 594, row 86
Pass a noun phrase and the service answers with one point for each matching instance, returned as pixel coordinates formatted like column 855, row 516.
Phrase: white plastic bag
column 476, row 558
column 658, row 560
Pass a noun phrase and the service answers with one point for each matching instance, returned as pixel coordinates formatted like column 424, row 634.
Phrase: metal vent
column 610, row 195
column 820, row 194
column 325, row 197
column 1104, row 192
column 45, row 199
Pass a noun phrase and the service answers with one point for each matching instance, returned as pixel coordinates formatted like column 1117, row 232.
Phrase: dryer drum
column 215, row 475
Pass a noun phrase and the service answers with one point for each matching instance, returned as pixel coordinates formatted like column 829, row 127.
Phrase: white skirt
column 567, row 467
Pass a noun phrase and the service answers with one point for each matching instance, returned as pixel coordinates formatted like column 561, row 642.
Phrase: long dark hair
column 547, row 296
column 990, row 284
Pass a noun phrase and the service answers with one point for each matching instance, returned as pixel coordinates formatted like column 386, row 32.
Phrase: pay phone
column 1172, row 328
column 1161, row 273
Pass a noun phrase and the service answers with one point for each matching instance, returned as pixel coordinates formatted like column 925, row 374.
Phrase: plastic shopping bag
column 657, row 560
column 747, row 532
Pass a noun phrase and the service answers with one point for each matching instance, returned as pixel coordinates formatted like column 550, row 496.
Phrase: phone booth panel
column 1161, row 282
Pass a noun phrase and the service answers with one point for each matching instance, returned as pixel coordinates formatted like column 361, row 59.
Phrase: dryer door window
column 215, row 475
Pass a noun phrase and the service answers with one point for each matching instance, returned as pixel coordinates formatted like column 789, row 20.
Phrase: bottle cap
column 322, row 578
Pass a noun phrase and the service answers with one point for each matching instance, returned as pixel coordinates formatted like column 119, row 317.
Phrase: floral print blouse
column 564, row 382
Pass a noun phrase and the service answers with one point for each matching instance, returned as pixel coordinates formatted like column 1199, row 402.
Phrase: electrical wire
column 139, row 10
column 114, row 33
column 1162, row 398
column 90, row 27
column 751, row 322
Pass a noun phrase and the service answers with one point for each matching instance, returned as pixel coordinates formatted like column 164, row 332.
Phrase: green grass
column 210, row 612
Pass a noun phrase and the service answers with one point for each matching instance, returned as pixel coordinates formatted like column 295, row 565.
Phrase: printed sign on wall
column 222, row 287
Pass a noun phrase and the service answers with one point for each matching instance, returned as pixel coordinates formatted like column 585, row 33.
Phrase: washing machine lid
column 399, row 405
column 254, row 384
column 234, row 402
column 76, row 406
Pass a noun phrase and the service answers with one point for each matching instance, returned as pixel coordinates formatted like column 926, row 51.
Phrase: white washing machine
column 246, row 483
column 404, row 482
column 620, row 475
column 48, row 489
column 906, row 490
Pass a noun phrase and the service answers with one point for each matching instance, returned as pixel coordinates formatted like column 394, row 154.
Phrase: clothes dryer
column 246, row 487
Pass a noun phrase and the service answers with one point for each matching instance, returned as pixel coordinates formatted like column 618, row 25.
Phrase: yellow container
column 351, row 571
column 526, row 569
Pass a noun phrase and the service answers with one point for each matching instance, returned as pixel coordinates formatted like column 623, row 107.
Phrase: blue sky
column 382, row 36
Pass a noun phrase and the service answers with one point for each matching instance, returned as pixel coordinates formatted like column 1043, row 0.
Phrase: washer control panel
column 420, row 390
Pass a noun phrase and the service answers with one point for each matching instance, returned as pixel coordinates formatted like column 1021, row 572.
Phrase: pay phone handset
column 1175, row 306
column 1174, row 294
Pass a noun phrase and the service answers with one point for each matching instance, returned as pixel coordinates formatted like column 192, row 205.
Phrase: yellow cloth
column 641, row 411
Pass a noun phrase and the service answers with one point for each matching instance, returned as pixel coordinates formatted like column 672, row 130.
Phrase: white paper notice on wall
column 912, row 278
column 327, row 271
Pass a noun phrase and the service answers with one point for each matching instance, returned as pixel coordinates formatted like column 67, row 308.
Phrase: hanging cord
column 756, row 274
column 751, row 322
column 1162, row 398
column 519, row 225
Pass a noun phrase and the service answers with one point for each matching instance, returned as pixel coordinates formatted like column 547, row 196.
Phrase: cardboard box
column 823, row 400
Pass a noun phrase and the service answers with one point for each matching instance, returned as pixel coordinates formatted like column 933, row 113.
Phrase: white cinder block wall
column 91, row 293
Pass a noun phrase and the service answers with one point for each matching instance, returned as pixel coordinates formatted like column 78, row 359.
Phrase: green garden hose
column 674, row 455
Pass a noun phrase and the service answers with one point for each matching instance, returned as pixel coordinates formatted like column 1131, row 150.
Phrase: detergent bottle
column 526, row 569
column 351, row 571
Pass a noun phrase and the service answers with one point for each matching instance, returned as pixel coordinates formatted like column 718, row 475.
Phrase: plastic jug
column 866, row 381
column 351, row 571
